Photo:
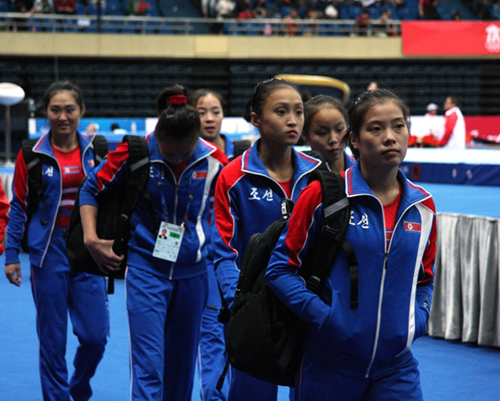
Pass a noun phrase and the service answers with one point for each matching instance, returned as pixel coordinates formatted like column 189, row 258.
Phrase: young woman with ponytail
column 166, row 282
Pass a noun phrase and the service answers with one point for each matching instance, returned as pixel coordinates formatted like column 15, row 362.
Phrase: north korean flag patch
column 412, row 226
column 199, row 174
column 71, row 169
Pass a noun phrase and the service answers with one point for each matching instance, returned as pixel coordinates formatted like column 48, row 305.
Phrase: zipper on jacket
column 379, row 314
column 381, row 293
column 57, row 209
column 384, row 270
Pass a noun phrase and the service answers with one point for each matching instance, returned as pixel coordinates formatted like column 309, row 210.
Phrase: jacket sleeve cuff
column 317, row 312
column 11, row 256
column 87, row 199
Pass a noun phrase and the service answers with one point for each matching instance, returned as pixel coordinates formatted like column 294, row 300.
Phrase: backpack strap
column 100, row 144
column 240, row 146
column 139, row 165
column 35, row 189
column 34, row 166
column 336, row 212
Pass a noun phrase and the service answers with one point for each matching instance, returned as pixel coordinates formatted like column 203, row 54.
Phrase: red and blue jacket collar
column 44, row 146
column 357, row 185
column 302, row 163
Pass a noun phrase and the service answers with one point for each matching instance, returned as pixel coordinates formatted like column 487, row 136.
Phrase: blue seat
column 158, row 27
column 80, row 8
column 250, row 28
column 132, row 27
column 354, row 11
column 68, row 25
column 375, row 10
column 4, row 6
column 111, row 26
column 91, row 8
column 153, row 9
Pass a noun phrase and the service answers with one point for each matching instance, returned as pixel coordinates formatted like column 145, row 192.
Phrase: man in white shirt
column 433, row 122
column 454, row 126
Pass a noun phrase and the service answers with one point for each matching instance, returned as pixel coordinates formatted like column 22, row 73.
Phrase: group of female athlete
column 209, row 205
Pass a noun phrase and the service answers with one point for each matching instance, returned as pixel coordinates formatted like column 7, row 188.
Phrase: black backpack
column 264, row 337
column 35, row 189
column 240, row 146
column 113, row 219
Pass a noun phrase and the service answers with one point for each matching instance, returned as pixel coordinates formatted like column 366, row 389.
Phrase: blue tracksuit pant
column 57, row 290
column 211, row 358
column 244, row 387
column 164, row 322
column 395, row 380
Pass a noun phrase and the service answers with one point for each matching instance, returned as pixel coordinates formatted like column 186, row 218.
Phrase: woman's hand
column 13, row 273
column 102, row 253
column 101, row 250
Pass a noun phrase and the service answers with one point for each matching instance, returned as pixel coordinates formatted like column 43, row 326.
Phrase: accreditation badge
column 168, row 241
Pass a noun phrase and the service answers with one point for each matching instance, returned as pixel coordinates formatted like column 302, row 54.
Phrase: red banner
column 485, row 128
column 450, row 38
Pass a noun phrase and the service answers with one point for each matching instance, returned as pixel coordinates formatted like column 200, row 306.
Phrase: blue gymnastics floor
column 449, row 370
column 476, row 200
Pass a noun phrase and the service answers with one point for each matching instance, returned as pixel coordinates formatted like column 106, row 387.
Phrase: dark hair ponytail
column 178, row 121
column 162, row 100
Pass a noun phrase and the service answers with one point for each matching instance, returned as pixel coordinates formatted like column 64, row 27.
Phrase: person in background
column 115, row 129
column 495, row 10
column 432, row 129
column 427, row 10
column 223, row 9
column 433, row 122
column 4, row 217
column 42, row 7
column 92, row 128
column 21, row 6
column 454, row 136
column 249, row 193
column 362, row 25
column 166, row 283
column 384, row 25
column 136, row 7
column 208, row 8
column 363, row 353
column 66, row 156
column 65, row 7
column 211, row 359
column 325, row 130
column 372, row 86
column 209, row 105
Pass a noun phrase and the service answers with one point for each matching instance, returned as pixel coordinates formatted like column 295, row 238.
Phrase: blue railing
column 188, row 26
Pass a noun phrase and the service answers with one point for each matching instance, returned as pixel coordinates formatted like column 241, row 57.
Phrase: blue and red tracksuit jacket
column 43, row 221
column 395, row 285
column 186, row 201
column 247, row 201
